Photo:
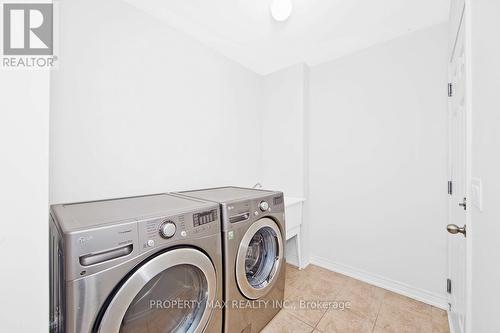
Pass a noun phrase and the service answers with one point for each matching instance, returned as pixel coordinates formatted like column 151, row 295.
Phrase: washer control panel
column 263, row 205
column 238, row 212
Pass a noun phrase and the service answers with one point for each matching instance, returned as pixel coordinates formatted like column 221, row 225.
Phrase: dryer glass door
column 172, row 292
column 173, row 301
column 259, row 258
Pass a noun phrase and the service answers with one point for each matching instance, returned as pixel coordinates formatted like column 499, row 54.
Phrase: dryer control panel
column 204, row 217
column 98, row 235
column 170, row 230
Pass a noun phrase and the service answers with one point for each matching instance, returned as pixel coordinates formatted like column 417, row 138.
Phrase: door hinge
column 450, row 89
column 450, row 187
column 448, row 286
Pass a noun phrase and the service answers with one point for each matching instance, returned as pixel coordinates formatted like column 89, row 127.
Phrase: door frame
column 468, row 219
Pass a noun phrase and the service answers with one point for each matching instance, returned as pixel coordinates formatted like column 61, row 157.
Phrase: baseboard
column 382, row 282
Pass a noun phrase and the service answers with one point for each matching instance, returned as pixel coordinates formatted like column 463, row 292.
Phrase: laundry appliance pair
column 179, row 262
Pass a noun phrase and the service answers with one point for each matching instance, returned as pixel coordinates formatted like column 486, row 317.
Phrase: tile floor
column 372, row 309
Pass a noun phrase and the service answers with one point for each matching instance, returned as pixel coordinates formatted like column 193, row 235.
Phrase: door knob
column 455, row 229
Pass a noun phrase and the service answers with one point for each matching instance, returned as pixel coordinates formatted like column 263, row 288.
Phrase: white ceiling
column 317, row 30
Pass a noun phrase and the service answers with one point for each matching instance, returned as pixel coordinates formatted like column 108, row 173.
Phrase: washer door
column 145, row 302
column 259, row 259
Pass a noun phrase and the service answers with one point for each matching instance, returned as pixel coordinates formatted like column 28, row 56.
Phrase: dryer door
column 173, row 292
column 259, row 259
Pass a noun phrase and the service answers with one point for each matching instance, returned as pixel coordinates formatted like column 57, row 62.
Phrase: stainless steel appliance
column 253, row 239
column 142, row 264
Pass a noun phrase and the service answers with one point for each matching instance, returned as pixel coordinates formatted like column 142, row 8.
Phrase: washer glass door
column 261, row 254
column 172, row 292
column 259, row 258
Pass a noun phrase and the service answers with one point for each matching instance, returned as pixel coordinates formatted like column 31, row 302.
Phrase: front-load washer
column 253, row 239
column 145, row 264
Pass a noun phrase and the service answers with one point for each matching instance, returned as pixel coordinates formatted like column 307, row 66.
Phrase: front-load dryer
column 145, row 264
column 253, row 238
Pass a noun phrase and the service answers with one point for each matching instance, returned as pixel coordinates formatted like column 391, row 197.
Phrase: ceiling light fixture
column 281, row 9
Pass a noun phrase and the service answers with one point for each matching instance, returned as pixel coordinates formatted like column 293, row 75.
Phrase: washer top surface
column 86, row 215
column 226, row 194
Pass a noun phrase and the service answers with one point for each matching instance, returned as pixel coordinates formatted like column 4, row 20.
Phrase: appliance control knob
column 167, row 229
column 264, row 206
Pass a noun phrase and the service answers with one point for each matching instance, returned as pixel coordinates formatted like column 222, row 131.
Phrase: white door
column 459, row 179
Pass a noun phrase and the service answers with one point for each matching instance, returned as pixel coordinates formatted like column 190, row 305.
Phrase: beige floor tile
column 309, row 315
column 344, row 321
column 308, row 291
column 370, row 305
column 440, row 328
column 364, row 299
column 293, row 276
column 439, row 313
column 378, row 329
column 292, row 273
column 312, row 290
column 398, row 319
column 284, row 322
column 406, row 303
column 316, row 283
column 320, row 272
column 362, row 304
column 361, row 287
column 439, row 321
